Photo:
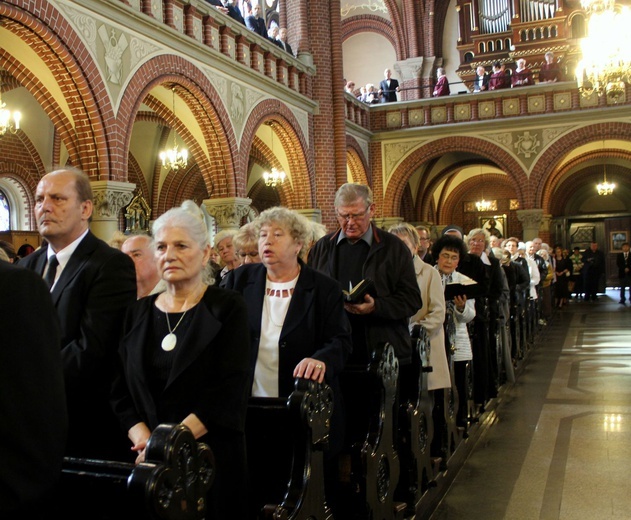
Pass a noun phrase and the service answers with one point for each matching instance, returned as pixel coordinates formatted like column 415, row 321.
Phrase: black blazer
column 485, row 83
column 91, row 297
column 209, row 377
column 389, row 93
column 622, row 264
column 316, row 325
column 33, row 418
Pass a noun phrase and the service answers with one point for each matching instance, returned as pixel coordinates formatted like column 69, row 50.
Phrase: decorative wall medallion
column 511, row 106
column 562, row 101
column 416, row 117
column 439, row 114
column 486, row 109
column 527, row 144
column 462, row 112
column 536, row 104
column 393, row 119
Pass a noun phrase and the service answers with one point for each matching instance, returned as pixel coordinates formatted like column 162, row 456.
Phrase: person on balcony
column 481, row 82
column 388, row 88
column 500, row 78
column 522, row 77
column 550, row 71
column 442, row 85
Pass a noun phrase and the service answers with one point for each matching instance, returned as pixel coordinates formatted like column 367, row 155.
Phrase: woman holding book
column 298, row 326
column 448, row 250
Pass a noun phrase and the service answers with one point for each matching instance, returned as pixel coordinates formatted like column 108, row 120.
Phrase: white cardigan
column 463, row 343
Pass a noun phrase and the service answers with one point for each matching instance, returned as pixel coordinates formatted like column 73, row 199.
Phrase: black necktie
column 51, row 271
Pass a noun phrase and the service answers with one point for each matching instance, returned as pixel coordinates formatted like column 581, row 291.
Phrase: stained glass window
column 5, row 213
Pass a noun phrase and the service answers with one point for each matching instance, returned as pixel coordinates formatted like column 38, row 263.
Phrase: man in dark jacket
column 623, row 261
column 593, row 268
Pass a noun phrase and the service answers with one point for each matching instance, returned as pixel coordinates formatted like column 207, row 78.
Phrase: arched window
column 5, row 212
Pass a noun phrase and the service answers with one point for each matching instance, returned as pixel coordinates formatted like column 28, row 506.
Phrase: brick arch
column 452, row 210
column 56, row 43
column 263, row 155
column 563, row 145
column 559, row 190
column 223, row 169
column 371, row 23
column 183, row 184
column 485, row 150
column 300, row 193
column 356, row 160
column 135, row 175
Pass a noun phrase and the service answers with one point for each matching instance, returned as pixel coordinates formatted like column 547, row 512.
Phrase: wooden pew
column 417, row 429
column 374, row 461
column 170, row 485
column 296, row 429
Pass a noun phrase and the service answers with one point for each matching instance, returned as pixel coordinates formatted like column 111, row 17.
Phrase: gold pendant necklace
column 170, row 340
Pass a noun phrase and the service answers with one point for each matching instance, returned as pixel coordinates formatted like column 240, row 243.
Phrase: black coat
column 91, row 297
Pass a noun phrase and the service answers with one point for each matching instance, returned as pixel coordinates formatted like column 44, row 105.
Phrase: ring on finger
column 318, row 366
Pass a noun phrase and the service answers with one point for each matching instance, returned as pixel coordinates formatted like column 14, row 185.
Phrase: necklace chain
column 171, row 331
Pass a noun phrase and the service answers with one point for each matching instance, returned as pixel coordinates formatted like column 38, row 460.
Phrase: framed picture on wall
column 495, row 225
column 617, row 239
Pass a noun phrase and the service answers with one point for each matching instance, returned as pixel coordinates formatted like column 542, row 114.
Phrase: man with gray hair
column 359, row 250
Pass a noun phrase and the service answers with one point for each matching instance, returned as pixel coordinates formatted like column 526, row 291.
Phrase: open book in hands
column 356, row 294
column 466, row 287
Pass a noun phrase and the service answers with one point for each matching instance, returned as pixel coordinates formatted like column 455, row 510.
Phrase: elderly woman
column 246, row 245
column 431, row 315
column 298, row 326
column 174, row 364
column 487, row 316
column 227, row 253
column 448, row 250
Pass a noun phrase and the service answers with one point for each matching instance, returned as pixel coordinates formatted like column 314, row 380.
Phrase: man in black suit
column 92, row 284
column 229, row 9
column 33, row 417
column 388, row 87
column 481, row 82
column 623, row 261
column 282, row 38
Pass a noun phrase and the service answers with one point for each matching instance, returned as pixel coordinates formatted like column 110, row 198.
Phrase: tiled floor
column 558, row 443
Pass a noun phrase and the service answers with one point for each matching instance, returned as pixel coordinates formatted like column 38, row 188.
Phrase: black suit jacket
column 622, row 264
column 485, row 83
column 33, row 418
column 389, row 93
column 91, row 297
column 256, row 25
column 286, row 47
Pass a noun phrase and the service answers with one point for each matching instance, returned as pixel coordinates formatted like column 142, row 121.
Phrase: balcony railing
column 536, row 100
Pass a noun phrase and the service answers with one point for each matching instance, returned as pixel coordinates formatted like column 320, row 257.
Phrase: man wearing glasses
column 425, row 245
column 360, row 250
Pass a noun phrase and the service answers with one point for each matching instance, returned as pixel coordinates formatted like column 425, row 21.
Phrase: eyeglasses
column 251, row 254
column 424, row 239
column 352, row 216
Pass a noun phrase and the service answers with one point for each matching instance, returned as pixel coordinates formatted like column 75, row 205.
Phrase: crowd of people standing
column 142, row 332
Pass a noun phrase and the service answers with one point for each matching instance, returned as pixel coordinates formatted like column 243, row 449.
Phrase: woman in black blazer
column 298, row 326
column 185, row 359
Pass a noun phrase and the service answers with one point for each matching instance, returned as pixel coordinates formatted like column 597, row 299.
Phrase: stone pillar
column 409, row 73
column 385, row 222
column 228, row 211
column 313, row 214
column 110, row 197
column 530, row 221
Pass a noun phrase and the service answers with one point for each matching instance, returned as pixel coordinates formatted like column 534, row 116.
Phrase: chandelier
column 9, row 121
column 483, row 205
column 174, row 158
column 606, row 64
column 274, row 177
